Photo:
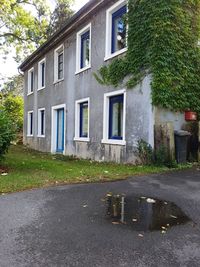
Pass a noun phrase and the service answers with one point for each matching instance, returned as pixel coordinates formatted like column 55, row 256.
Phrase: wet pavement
column 73, row 225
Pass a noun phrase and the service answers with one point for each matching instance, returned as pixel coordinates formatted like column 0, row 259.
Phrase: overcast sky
column 9, row 68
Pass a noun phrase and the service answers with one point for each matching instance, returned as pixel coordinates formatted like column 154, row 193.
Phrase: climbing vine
column 162, row 40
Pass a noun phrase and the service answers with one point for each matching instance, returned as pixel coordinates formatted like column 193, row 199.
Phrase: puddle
column 143, row 213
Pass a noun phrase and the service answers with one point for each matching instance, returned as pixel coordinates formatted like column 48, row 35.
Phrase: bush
column 159, row 157
column 7, row 132
column 145, row 152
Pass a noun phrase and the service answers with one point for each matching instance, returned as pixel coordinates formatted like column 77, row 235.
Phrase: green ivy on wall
column 162, row 40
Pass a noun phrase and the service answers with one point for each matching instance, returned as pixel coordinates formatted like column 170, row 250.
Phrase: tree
column 7, row 132
column 60, row 15
column 13, row 85
column 13, row 106
column 26, row 24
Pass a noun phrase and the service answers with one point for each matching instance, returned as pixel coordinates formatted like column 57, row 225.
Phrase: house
column 67, row 111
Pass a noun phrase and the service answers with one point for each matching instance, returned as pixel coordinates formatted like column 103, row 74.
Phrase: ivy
column 162, row 40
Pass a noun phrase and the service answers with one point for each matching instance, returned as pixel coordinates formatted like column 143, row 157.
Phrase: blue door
column 60, row 130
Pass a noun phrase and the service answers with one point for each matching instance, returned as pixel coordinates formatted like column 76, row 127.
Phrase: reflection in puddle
column 144, row 214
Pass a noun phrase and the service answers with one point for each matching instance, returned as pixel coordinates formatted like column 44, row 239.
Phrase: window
column 30, row 81
column 82, row 120
column 30, row 124
column 59, row 64
column 41, row 74
column 83, row 49
column 114, row 118
column 41, row 122
column 116, row 29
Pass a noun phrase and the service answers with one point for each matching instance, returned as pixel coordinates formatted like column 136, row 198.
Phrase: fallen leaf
column 151, row 200
column 4, row 174
column 172, row 216
column 85, row 206
column 140, row 235
column 115, row 223
column 163, row 232
column 134, row 220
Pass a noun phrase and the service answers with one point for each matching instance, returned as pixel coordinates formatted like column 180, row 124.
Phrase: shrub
column 7, row 132
column 145, row 152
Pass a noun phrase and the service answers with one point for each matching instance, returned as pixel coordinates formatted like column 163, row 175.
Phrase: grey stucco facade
column 139, row 113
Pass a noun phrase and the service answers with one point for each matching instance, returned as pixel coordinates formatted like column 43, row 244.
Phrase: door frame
column 54, row 127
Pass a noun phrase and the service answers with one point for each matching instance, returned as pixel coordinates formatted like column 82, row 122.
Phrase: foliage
column 162, row 40
column 158, row 157
column 60, row 15
column 145, row 152
column 24, row 24
column 7, row 131
column 13, row 85
column 13, row 106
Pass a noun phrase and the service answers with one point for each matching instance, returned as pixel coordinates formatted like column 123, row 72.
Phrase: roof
column 78, row 18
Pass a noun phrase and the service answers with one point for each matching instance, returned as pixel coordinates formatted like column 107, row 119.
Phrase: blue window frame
column 60, row 130
column 84, row 119
column 118, row 30
column 85, row 50
column 116, row 110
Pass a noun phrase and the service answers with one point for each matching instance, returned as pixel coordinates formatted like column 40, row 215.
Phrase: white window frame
column 39, row 122
column 106, row 139
column 29, row 81
column 40, row 87
column 56, row 53
column 77, row 120
column 28, row 123
column 109, row 12
column 78, row 48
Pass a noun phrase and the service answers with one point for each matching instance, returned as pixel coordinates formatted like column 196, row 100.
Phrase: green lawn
column 30, row 169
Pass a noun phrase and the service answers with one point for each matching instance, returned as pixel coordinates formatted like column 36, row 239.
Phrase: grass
column 29, row 169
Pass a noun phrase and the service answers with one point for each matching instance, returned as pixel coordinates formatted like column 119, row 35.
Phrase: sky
column 9, row 68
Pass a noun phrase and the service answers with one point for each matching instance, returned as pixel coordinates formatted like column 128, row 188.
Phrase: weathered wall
column 139, row 112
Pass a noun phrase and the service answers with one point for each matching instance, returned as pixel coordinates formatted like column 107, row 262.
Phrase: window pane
column 116, row 118
column 60, row 66
column 42, row 122
column 43, row 74
column 32, row 76
column 85, row 49
column 118, row 30
column 31, row 123
column 84, row 120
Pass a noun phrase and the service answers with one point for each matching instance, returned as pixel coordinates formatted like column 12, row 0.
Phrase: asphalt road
column 66, row 226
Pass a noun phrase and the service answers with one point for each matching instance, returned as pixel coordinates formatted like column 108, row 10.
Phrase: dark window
column 43, row 74
column 116, row 117
column 31, row 81
column 31, row 123
column 84, row 119
column 42, row 122
column 119, row 29
column 85, row 49
column 60, row 65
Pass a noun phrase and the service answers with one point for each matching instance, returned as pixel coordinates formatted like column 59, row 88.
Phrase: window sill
column 110, row 56
column 30, row 135
column 113, row 142
column 83, row 69
column 30, row 94
column 57, row 81
column 39, row 89
column 79, row 139
column 41, row 136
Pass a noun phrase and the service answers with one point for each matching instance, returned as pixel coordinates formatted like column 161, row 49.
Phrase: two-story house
column 67, row 111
